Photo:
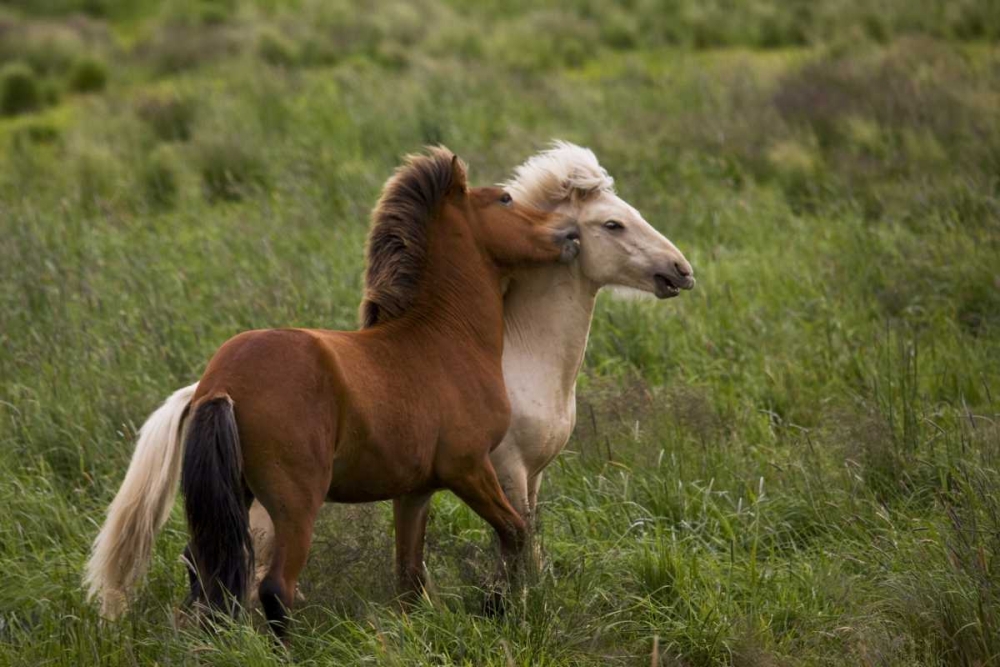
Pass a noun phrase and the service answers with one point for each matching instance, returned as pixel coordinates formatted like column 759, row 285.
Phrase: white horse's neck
column 547, row 314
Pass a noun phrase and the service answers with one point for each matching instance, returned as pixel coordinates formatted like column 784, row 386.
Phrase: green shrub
column 88, row 75
column 19, row 90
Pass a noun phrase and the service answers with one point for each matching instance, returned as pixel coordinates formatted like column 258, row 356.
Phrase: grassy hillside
column 797, row 463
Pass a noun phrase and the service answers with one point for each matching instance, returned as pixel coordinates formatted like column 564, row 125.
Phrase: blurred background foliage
column 794, row 464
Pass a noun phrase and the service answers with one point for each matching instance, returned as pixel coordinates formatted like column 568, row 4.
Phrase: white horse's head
column 617, row 246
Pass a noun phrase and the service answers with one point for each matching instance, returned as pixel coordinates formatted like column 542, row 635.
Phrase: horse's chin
column 630, row 293
column 664, row 289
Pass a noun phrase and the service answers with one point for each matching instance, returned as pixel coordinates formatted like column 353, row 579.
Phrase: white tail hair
column 123, row 548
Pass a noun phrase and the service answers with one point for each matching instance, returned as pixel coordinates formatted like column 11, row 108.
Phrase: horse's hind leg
column 481, row 491
column 292, row 539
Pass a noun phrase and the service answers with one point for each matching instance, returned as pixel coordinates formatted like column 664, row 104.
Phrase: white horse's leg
column 533, row 485
column 533, row 525
column 513, row 476
column 262, row 533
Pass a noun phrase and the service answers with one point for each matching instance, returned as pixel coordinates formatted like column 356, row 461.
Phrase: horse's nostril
column 573, row 236
column 682, row 271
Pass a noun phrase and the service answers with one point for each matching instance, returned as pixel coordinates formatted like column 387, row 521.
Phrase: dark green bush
column 89, row 75
column 19, row 90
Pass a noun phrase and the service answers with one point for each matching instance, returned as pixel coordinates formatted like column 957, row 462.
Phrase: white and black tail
column 123, row 548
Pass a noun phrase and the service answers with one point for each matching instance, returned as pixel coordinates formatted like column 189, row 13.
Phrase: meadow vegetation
column 796, row 463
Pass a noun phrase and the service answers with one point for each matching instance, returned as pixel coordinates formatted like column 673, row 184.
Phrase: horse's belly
column 364, row 486
column 367, row 469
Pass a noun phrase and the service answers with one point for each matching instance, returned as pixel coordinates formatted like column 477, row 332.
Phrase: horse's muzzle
column 569, row 240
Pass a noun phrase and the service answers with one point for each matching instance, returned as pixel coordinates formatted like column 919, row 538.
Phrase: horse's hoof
column 495, row 605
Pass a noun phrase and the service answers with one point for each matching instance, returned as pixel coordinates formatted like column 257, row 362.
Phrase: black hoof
column 495, row 605
column 274, row 609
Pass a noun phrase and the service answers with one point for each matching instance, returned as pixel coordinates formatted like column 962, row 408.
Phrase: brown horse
column 296, row 417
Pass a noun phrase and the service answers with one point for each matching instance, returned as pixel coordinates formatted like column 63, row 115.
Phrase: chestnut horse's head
column 432, row 189
column 509, row 232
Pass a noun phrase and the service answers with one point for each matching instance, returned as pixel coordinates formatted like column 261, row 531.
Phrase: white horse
column 547, row 317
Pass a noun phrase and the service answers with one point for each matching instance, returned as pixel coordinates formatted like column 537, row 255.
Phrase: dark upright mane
column 397, row 243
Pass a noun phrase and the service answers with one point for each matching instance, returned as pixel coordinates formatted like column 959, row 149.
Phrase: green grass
column 797, row 463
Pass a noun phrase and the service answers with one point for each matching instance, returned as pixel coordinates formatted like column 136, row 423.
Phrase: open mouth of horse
column 666, row 287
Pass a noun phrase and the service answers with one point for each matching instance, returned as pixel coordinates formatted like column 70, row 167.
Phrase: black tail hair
column 216, row 505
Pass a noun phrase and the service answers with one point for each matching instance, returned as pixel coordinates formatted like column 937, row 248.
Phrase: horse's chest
column 478, row 412
column 541, row 423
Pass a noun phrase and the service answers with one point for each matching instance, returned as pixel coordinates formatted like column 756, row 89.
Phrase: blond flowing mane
column 563, row 171
column 396, row 250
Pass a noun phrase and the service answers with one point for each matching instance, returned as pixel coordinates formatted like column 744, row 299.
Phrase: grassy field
column 798, row 463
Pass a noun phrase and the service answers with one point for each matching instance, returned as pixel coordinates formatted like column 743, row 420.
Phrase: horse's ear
column 459, row 183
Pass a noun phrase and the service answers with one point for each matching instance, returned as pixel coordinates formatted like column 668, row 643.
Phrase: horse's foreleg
column 410, row 513
column 514, row 482
column 262, row 533
column 533, row 520
column 522, row 492
column 481, row 491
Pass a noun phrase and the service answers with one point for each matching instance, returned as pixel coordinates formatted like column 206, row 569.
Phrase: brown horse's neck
column 459, row 296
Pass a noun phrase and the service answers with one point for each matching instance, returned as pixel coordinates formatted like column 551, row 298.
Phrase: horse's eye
column 506, row 199
column 614, row 226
